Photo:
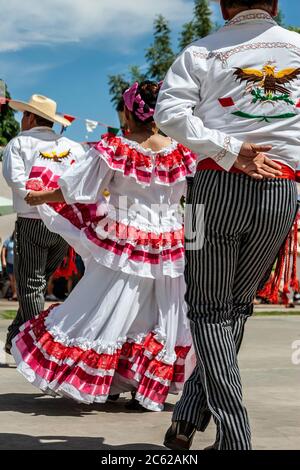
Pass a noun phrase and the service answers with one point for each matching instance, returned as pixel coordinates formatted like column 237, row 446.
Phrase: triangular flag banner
column 90, row 125
column 69, row 117
column 113, row 130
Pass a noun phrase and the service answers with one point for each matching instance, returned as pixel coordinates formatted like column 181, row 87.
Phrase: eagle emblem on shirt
column 268, row 84
column 55, row 157
column 271, row 94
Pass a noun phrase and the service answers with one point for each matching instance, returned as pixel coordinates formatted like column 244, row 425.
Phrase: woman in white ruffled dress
column 124, row 326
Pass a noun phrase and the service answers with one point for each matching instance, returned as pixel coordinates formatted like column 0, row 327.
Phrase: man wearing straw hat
column 232, row 97
column 38, row 155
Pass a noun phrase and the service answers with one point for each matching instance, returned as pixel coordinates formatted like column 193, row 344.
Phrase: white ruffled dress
column 124, row 326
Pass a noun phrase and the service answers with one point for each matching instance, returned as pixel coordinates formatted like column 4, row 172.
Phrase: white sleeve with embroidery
column 175, row 116
column 14, row 168
column 86, row 181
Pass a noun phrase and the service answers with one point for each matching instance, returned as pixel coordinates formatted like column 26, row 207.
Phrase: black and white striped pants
column 246, row 222
column 37, row 254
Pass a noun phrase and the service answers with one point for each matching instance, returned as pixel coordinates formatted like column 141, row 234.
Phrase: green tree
column 294, row 28
column 135, row 74
column 280, row 20
column 160, row 54
column 199, row 27
column 9, row 127
column 117, row 84
column 202, row 22
column 187, row 35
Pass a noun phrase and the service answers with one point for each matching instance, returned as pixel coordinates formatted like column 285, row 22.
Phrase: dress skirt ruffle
column 124, row 326
column 116, row 332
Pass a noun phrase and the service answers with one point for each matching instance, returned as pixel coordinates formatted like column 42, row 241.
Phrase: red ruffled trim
column 137, row 253
column 129, row 240
column 50, row 360
column 140, row 237
column 165, row 168
column 283, row 270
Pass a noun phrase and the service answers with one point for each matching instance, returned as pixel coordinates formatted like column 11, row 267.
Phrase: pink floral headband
column 143, row 112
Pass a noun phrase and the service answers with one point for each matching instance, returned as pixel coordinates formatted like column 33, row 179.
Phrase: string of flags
column 90, row 124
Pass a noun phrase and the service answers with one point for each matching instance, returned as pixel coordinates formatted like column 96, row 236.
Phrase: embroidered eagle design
column 54, row 156
column 268, row 78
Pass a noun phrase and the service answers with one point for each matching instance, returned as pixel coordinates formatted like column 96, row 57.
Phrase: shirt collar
column 251, row 16
column 38, row 130
column 43, row 129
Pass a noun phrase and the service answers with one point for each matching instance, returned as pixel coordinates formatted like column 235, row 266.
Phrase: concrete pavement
column 29, row 420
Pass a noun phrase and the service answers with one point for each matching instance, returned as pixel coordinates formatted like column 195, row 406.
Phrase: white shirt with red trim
column 241, row 83
column 123, row 207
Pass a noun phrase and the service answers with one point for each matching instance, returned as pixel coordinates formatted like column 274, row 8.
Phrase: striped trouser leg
column 192, row 407
column 38, row 252
column 56, row 253
column 246, row 221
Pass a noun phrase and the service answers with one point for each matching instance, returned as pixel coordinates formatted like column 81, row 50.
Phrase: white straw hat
column 41, row 106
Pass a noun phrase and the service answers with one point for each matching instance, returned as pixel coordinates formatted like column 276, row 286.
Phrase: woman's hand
column 36, row 198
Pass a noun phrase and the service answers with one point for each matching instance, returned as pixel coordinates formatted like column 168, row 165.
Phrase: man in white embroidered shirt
column 38, row 155
column 234, row 99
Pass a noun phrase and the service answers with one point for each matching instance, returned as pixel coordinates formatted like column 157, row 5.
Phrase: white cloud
column 45, row 22
column 14, row 70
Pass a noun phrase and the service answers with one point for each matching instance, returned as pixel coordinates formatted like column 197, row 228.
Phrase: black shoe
column 113, row 397
column 134, row 405
column 180, row 435
column 7, row 348
column 212, row 447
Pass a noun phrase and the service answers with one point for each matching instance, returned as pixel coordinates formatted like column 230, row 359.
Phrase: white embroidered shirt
column 241, row 83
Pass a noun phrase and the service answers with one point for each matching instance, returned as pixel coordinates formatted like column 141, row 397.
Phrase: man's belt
column 209, row 164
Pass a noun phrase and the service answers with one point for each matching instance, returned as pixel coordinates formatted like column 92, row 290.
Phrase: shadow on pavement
column 43, row 405
column 23, row 441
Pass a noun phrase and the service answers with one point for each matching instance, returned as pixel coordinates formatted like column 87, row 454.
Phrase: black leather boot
column 180, row 435
column 113, row 397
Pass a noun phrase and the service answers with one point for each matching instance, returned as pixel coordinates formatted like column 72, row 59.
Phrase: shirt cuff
column 228, row 155
column 22, row 192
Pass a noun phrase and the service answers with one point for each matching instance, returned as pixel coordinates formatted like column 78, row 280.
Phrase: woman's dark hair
column 246, row 3
column 148, row 91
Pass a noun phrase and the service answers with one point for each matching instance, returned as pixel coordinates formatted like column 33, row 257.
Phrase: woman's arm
column 3, row 256
column 36, row 198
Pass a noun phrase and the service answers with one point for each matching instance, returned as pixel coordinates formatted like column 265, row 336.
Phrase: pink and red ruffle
column 165, row 168
column 87, row 375
column 117, row 238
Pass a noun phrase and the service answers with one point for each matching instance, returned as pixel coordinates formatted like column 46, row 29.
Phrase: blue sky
column 65, row 49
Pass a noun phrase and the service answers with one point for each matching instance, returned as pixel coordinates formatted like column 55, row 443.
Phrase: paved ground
column 29, row 420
